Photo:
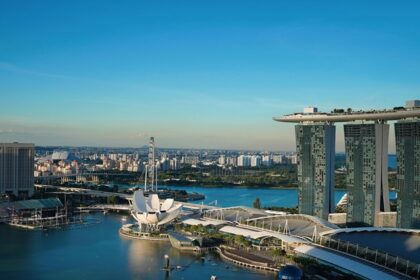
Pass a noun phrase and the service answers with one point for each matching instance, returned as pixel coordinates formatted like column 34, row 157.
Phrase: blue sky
column 206, row 74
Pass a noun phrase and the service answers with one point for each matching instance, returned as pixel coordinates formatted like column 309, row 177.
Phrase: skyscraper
column 407, row 135
column 367, row 171
column 366, row 145
column 17, row 169
column 315, row 147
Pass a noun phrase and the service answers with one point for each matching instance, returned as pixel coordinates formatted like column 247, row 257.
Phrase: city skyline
column 248, row 140
column 70, row 77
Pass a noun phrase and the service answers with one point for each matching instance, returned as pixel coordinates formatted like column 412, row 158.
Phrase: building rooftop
column 244, row 232
column 32, row 204
column 346, row 116
column 258, row 234
column 193, row 222
column 235, row 213
column 340, row 260
column 404, row 243
column 298, row 224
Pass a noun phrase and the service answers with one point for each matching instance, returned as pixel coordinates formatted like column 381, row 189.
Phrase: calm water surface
column 97, row 251
column 245, row 196
column 232, row 196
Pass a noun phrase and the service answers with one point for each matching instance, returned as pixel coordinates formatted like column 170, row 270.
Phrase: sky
column 199, row 74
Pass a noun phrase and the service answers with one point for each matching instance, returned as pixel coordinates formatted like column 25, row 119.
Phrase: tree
column 239, row 239
column 257, row 203
column 112, row 199
column 277, row 253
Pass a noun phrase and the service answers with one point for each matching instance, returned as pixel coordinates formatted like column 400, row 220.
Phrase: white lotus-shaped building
column 149, row 210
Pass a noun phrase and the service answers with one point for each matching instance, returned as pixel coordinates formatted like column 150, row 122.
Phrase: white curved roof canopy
column 139, row 202
column 150, row 211
column 167, row 204
column 155, row 202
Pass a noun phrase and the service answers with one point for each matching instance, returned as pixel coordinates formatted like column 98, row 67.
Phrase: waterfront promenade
column 298, row 228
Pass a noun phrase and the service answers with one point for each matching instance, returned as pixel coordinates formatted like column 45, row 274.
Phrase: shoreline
column 215, row 186
column 210, row 186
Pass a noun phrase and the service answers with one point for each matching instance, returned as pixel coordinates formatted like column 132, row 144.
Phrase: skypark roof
column 384, row 115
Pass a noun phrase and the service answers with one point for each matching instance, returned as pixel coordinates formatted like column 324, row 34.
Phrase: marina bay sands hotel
column 366, row 135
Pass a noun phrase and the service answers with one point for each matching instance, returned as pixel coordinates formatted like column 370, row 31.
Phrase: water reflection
column 146, row 260
column 146, row 257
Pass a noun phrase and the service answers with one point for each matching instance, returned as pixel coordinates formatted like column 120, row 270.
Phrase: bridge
column 57, row 176
column 127, row 207
column 95, row 193
column 82, row 191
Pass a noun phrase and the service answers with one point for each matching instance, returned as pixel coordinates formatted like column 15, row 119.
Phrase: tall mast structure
column 150, row 177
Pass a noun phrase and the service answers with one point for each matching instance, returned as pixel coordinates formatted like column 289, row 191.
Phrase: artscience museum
column 150, row 213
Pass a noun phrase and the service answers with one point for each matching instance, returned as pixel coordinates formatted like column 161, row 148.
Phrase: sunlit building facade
column 367, row 171
column 315, row 148
column 407, row 136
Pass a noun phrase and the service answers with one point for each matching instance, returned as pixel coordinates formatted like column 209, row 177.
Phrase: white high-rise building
column 240, row 160
column 123, row 166
column 17, row 169
column 255, row 161
column 232, row 161
column 278, row 159
column 113, row 156
column 292, row 159
column 222, row 160
column 267, row 160
column 193, row 160
column 174, row 164
column 244, row 161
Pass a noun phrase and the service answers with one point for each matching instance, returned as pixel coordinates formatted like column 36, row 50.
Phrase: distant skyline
column 197, row 74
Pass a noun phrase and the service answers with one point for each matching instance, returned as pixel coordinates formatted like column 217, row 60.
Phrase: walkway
column 338, row 260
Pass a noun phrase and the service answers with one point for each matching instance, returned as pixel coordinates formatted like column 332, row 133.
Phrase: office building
column 267, row 160
column 191, row 160
column 367, row 171
column 366, row 146
column 244, row 161
column 292, row 159
column 17, row 169
column 222, row 160
column 232, row 161
column 315, row 147
column 255, row 161
column 174, row 164
column 407, row 136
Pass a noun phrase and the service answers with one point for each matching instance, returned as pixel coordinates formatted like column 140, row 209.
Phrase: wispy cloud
column 9, row 67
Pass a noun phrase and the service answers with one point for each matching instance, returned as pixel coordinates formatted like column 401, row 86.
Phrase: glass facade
column 315, row 147
column 366, row 148
column 407, row 136
column 17, row 169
